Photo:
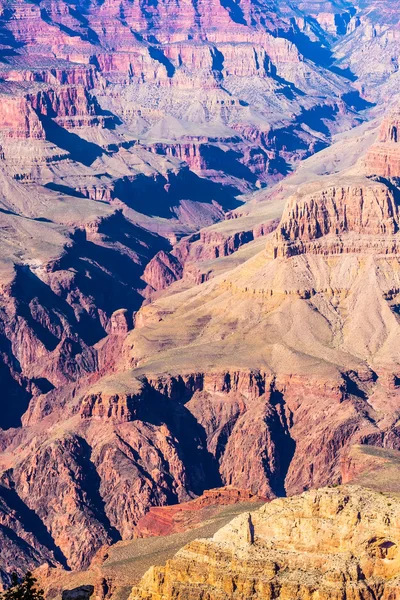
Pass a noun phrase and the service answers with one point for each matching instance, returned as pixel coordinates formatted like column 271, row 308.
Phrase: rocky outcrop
column 70, row 106
column 162, row 270
column 125, row 129
column 323, row 221
column 167, row 520
column 23, row 107
column 19, row 120
column 186, row 258
column 383, row 158
column 101, row 406
column 120, row 322
column 334, row 542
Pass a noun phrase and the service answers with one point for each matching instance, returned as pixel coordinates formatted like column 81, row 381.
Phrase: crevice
column 200, row 465
column 158, row 55
column 92, row 483
column 235, row 11
column 32, row 523
column 284, row 443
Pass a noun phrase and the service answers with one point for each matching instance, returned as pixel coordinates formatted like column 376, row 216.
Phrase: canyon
column 199, row 277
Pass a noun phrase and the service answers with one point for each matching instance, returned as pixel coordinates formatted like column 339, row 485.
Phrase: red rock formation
column 64, row 466
column 51, row 72
column 116, row 407
column 124, row 129
column 18, row 119
column 162, row 270
column 69, row 105
column 187, row 515
column 383, row 158
column 188, row 255
column 120, row 322
column 367, row 210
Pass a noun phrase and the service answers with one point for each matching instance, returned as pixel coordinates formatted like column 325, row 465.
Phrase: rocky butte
column 199, row 290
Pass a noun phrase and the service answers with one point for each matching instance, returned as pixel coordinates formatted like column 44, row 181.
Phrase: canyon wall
column 153, row 344
column 337, row 543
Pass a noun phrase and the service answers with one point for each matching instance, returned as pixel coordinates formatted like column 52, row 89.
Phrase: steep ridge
column 217, row 383
column 116, row 142
column 124, row 131
column 312, row 323
column 115, row 569
column 336, row 543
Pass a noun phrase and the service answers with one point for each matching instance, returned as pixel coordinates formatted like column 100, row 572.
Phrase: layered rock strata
column 124, row 130
column 334, row 543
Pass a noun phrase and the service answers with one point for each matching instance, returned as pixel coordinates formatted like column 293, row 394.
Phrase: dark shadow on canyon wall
column 159, row 196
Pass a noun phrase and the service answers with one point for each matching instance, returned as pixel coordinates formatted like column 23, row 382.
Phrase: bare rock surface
column 337, row 543
column 115, row 569
column 184, row 304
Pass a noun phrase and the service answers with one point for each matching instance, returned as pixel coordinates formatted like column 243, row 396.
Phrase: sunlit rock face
column 153, row 345
column 337, row 543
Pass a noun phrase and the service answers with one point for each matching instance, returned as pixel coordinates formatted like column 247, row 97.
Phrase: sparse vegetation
column 24, row 588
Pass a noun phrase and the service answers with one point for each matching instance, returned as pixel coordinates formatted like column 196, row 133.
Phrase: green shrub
column 23, row 589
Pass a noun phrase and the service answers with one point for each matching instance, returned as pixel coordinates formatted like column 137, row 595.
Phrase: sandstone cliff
column 331, row 543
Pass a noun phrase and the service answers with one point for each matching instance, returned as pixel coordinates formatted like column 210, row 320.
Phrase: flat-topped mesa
column 341, row 218
column 336, row 543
